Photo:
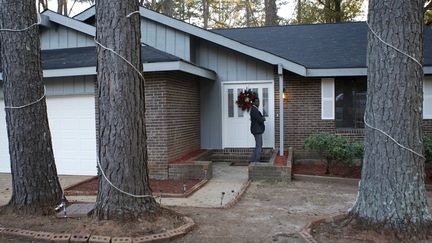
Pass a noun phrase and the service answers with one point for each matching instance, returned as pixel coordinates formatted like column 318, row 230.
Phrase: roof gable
column 211, row 37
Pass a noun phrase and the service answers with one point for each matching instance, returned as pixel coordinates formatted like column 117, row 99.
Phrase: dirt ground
column 269, row 212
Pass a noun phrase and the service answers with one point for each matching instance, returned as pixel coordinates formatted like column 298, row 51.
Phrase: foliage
column 327, row 11
column 428, row 12
column 332, row 147
column 245, row 99
column 427, row 143
column 357, row 150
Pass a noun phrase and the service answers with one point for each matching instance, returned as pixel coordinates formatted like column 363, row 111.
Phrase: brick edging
column 347, row 181
column 188, row 193
column 69, row 237
column 238, row 197
column 314, row 178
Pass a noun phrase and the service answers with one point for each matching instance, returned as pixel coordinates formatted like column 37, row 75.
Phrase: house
column 310, row 78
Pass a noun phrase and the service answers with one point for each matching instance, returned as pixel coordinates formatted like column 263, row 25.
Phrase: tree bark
column 168, row 7
column 338, row 11
column 271, row 17
column 299, row 11
column 122, row 148
column 35, row 185
column 392, row 190
column 206, row 12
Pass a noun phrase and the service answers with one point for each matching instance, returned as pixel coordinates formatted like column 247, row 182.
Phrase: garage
column 72, row 123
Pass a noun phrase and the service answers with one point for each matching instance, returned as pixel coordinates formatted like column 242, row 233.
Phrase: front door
column 236, row 123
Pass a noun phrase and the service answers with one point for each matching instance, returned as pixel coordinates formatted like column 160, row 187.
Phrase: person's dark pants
column 256, row 156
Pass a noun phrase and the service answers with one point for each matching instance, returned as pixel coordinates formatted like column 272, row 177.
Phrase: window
column 427, row 98
column 265, row 102
column 230, row 103
column 327, row 98
column 350, row 102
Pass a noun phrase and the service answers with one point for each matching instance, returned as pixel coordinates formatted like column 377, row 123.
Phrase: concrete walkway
column 228, row 179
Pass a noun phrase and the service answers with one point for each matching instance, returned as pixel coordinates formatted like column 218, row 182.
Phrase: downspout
column 281, row 111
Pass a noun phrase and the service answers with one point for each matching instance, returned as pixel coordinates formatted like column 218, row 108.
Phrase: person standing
column 257, row 129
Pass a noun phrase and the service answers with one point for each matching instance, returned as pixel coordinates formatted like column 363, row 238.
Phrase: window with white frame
column 344, row 100
column 427, row 98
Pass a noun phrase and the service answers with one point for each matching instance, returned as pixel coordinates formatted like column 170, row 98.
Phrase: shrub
column 427, row 143
column 332, row 147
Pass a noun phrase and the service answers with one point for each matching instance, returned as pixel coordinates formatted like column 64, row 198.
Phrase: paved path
column 228, row 179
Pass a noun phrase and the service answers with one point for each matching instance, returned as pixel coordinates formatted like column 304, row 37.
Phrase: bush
column 427, row 143
column 333, row 147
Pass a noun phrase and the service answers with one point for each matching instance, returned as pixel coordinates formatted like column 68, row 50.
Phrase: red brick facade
column 173, row 119
column 302, row 113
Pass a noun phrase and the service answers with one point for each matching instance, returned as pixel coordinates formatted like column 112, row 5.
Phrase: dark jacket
column 257, row 121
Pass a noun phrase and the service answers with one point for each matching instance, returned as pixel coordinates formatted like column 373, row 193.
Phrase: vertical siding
column 165, row 38
column 66, row 86
column 62, row 37
column 70, row 85
column 229, row 66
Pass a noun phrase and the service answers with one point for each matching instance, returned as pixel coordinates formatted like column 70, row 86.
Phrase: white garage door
column 72, row 124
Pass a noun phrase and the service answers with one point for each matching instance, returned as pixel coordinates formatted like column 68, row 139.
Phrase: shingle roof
column 86, row 57
column 318, row 46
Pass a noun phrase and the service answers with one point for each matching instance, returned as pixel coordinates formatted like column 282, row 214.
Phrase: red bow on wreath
column 245, row 99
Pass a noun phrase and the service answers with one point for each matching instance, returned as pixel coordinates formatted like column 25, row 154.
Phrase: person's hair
column 255, row 99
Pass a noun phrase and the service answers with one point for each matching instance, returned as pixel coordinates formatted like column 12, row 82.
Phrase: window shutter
column 327, row 99
column 427, row 98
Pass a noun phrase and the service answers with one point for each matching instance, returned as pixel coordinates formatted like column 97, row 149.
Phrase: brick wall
column 172, row 119
column 302, row 112
column 183, row 115
column 427, row 127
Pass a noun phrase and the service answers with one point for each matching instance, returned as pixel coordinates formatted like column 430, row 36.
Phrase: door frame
column 269, row 81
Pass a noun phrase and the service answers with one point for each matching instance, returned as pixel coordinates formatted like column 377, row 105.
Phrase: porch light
column 285, row 95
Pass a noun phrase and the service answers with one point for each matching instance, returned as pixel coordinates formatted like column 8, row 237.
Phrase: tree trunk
column 122, row 136
column 392, row 190
column 271, row 17
column 35, row 185
column 60, row 6
column 168, row 7
column 206, row 12
column 248, row 13
column 299, row 11
column 338, row 11
column 328, row 164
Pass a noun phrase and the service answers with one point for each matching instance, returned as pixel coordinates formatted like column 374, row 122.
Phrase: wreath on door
column 245, row 99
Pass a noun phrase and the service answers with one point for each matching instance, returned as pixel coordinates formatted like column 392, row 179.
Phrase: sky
column 287, row 11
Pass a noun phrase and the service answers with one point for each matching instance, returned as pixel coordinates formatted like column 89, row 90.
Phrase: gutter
column 281, row 112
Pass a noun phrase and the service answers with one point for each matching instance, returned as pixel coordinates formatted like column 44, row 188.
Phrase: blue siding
column 62, row 37
column 67, row 86
column 165, row 38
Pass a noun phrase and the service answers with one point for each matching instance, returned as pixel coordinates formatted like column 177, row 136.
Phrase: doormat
column 240, row 163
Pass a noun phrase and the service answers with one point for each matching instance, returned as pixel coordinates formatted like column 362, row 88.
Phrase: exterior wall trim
column 148, row 67
column 71, row 23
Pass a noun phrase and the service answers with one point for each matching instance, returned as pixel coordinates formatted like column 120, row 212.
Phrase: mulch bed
column 90, row 187
column 343, row 170
column 281, row 160
column 148, row 223
column 344, row 229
